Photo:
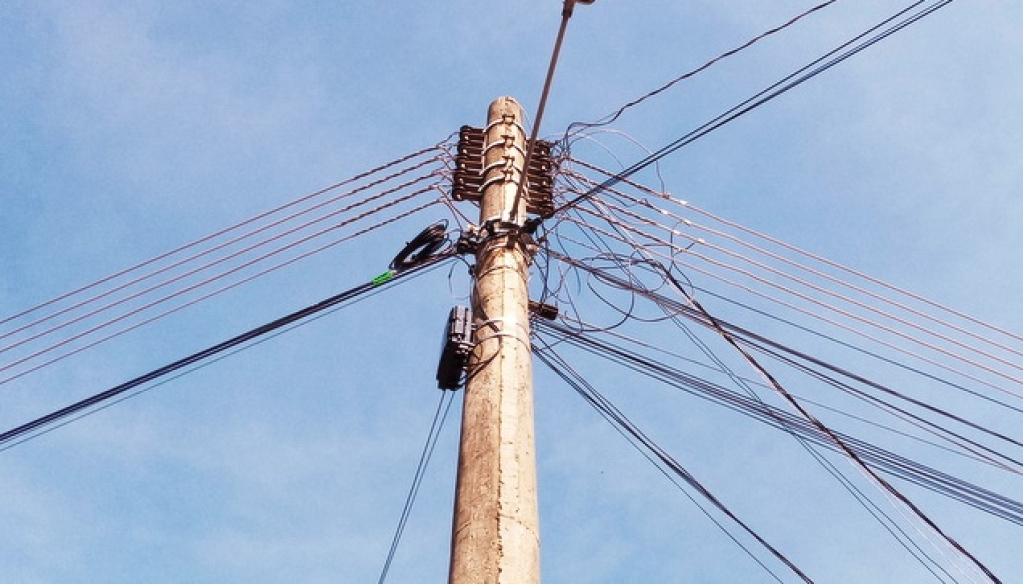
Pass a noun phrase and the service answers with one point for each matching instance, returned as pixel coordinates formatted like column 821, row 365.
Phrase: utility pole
column 495, row 536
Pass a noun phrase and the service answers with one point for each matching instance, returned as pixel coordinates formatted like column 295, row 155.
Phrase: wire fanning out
column 130, row 299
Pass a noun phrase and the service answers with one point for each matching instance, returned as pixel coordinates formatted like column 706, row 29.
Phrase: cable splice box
column 455, row 348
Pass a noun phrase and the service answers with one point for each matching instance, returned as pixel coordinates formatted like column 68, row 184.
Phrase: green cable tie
column 383, row 278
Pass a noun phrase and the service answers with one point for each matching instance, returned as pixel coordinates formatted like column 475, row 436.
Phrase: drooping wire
column 909, row 504
column 887, row 523
column 619, row 226
column 843, row 281
column 774, row 274
column 887, row 461
column 576, row 127
column 896, row 465
column 439, row 417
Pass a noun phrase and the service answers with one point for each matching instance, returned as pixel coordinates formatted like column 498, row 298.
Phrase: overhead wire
column 215, row 292
column 576, row 127
column 216, row 359
column 219, row 233
column 962, row 451
column 838, row 281
column 886, row 487
column 774, row 283
column 761, row 341
column 856, row 273
column 40, row 423
column 299, row 237
column 439, row 417
column 195, row 286
column 968, row 446
column 766, row 414
column 889, row 525
column 841, row 53
column 932, row 478
column 231, row 256
column 789, row 305
column 640, row 440
column 843, row 446
column 207, row 251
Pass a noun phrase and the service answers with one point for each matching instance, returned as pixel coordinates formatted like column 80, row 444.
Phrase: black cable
column 53, row 417
column 870, row 507
column 620, row 421
column 797, row 427
column 792, row 81
column 439, row 417
column 853, row 347
column 611, row 118
column 421, row 247
column 210, row 362
column 888, row 461
column 746, row 335
column 832, row 435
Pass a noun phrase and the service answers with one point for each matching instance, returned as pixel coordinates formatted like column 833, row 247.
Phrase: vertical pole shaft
column 495, row 537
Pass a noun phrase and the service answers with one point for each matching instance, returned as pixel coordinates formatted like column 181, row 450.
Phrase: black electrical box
column 455, row 348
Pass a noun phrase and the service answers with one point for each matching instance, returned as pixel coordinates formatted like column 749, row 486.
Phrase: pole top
column 505, row 105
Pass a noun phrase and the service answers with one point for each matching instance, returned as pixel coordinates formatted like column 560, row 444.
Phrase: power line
column 232, row 270
column 842, row 281
column 887, row 486
column 223, row 259
column 217, row 234
column 716, row 275
column 576, row 127
column 206, row 252
column 827, row 432
column 790, row 82
column 763, row 344
column 639, row 439
column 888, row 461
column 439, row 417
column 9, row 436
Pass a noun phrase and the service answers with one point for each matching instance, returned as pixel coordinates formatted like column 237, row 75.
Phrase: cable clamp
column 469, row 241
column 503, row 331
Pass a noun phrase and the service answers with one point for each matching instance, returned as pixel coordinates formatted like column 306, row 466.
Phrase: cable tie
column 383, row 278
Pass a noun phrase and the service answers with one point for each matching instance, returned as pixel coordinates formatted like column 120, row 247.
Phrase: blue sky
column 127, row 129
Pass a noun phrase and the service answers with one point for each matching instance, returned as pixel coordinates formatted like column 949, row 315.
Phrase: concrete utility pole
column 496, row 536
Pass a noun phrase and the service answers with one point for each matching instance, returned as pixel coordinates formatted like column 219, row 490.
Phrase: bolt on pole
column 495, row 535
